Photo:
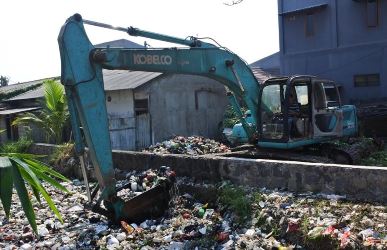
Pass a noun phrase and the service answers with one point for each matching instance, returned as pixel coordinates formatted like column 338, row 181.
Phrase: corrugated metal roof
column 14, row 111
column 113, row 79
column 262, row 75
column 32, row 94
column 17, row 86
column 124, row 79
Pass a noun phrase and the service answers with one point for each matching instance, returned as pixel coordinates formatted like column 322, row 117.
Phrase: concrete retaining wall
column 356, row 182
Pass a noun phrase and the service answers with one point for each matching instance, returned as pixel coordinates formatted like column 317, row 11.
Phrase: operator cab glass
column 272, row 111
column 285, row 109
column 332, row 94
column 327, row 114
column 302, row 110
column 299, row 109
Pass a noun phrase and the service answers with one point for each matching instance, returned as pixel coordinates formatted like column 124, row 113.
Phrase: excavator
column 284, row 113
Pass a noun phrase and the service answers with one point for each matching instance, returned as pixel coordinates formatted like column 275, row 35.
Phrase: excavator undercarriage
column 350, row 151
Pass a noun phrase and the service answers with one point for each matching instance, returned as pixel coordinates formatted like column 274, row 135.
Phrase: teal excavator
column 283, row 113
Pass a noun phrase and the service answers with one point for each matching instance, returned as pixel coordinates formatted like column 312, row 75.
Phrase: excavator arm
column 81, row 75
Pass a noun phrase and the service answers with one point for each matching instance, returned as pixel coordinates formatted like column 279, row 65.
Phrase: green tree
column 18, row 169
column 4, row 81
column 54, row 114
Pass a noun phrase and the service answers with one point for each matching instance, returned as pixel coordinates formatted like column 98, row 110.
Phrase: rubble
column 193, row 145
column 275, row 219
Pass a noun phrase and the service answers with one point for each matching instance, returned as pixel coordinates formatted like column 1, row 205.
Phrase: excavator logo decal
column 152, row 59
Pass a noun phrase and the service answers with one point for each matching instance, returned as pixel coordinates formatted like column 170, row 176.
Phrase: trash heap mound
column 192, row 145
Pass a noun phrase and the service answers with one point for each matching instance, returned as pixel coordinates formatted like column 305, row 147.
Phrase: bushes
column 20, row 146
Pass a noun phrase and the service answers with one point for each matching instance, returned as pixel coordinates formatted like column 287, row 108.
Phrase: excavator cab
column 298, row 111
column 302, row 110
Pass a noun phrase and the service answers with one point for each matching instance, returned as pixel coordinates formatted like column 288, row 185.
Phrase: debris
column 193, row 145
column 250, row 233
column 43, row 231
column 128, row 228
column 111, row 240
column 26, row 246
column 203, row 230
column 121, row 237
column 201, row 212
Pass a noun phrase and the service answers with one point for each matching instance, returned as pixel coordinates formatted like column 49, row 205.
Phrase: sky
column 29, row 29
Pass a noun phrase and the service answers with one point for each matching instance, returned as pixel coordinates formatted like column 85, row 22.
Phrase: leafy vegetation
column 236, row 199
column 20, row 146
column 54, row 115
column 63, row 152
column 231, row 117
column 376, row 159
column 17, row 170
column 4, row 81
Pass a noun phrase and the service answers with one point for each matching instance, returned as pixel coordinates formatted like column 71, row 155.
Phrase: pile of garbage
column 193, row 145
column 234, row 218
column 136, row 183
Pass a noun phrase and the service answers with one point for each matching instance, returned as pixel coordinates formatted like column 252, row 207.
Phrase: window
column 291, row 18
column 302, row 94
column 141, row 106
column 332, row 94
column 372, row 13
column 367, row 80
column 271, row 112
column 309, row 25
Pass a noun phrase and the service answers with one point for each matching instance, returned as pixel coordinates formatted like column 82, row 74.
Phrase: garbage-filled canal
column 205, row 216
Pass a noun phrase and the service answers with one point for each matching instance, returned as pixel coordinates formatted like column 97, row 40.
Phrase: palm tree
column 17, row 170
column 52, row 118
column 4, row 81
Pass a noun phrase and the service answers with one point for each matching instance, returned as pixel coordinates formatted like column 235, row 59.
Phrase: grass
column 20, row 146
column 376, row 159
column 62, row 152
column 236, row 199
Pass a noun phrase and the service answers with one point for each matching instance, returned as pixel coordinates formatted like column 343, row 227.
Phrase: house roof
column 32, row 94
column 113, row 80
column 124, row 79
column 19, row 110
column 262, row 75
column 17, row 86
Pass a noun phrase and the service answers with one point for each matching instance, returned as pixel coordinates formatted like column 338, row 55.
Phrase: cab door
column 327, row 113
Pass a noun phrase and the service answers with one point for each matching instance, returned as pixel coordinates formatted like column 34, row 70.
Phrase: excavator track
column 349, row 152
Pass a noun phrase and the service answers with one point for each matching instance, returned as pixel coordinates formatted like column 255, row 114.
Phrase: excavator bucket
column 150, row 204
column 132, row 204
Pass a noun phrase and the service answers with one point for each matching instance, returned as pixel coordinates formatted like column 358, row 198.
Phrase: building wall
column 186, row 105
column 119, row 104
column 342, row 45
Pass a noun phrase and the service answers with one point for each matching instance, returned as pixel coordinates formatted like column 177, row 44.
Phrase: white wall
column 120, row 110
column 121, row 102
